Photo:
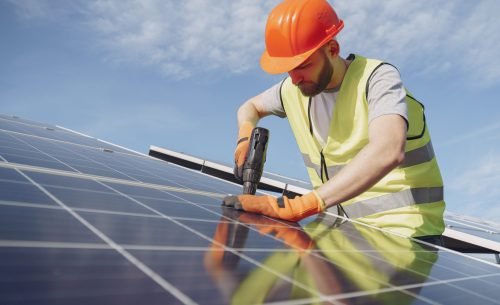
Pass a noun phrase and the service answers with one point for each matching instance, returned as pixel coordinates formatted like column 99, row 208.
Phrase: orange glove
column 288, row 209
column 240, row 153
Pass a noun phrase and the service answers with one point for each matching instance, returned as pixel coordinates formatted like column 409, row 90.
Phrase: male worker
column 362, row 135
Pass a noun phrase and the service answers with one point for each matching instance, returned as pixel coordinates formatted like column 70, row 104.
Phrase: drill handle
column 255, row 159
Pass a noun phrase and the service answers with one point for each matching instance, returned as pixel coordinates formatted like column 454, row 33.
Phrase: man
column 362, row 135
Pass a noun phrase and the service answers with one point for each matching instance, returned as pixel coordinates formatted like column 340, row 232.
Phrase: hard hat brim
column 277, row 65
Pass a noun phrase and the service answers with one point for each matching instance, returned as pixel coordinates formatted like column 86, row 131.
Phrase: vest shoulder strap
column 281, row 95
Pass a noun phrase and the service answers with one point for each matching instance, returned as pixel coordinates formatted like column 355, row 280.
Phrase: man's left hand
column 294, row 209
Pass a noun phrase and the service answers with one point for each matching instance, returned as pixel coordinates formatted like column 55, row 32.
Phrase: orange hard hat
column 294, row 30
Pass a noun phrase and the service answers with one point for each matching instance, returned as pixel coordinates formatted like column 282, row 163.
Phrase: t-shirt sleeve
column 270, row 101
column 386, row 93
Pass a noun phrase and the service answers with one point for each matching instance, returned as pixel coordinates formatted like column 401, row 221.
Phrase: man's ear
column 333, row 48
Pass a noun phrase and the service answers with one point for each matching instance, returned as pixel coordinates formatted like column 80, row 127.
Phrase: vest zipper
column 309, row 116
column 324, row 168
column 323, row 163
column 324, row 171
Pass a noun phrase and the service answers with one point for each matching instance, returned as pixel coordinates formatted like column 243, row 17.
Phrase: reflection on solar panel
column 86, row 222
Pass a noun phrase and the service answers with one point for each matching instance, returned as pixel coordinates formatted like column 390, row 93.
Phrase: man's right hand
column 240, row 153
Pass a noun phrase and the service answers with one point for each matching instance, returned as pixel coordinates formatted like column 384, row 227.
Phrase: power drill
column 256, row 157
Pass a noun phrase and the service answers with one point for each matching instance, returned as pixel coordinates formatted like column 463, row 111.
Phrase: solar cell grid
column 75, row 276
column 23, row 128
column 15, row 188
column 109, row 227
column 37, row 224
column 67, row 156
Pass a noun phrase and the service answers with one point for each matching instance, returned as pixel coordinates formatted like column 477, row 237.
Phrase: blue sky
column 173, row 73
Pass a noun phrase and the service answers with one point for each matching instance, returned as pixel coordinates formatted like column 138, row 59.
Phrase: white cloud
column 31, row 8
column 477, row 187
column 484, row 178
column 427, row 36
column 183, row 38
column 53, row 10
column 479, row 40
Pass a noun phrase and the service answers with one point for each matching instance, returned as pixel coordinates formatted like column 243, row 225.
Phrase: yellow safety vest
column 409, row 199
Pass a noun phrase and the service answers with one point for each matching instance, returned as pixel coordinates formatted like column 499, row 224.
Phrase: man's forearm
column 359, row 175
column 384, row 152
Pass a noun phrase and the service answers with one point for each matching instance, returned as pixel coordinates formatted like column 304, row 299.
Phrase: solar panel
column 87, row 222
column 463, row 234
column 485, row 229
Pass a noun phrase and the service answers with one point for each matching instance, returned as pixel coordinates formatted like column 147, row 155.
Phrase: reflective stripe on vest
column 332, row 170
column 414, row 157
column 419, row 155
column 392, row 201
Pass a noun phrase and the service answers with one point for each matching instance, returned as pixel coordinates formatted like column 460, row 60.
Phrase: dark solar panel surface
column 84, row 222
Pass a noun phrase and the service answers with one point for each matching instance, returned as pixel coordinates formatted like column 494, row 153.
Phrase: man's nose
column 296, row 77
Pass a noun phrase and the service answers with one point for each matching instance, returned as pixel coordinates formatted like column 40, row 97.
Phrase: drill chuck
column 256, row 157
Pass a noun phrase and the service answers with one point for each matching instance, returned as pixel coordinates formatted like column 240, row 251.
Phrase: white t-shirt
column 386, row 95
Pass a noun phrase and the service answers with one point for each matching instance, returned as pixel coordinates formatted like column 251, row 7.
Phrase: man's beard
column 325, row 76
